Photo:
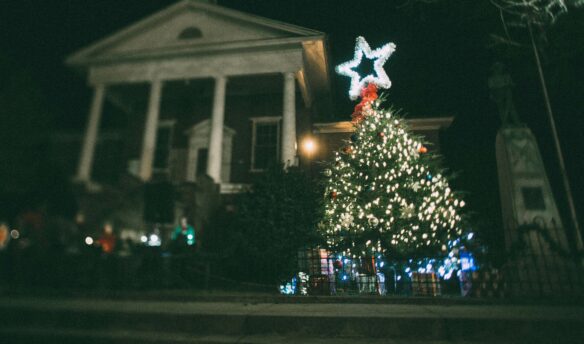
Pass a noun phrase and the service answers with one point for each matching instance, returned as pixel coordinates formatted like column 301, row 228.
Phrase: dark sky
column 439, row 69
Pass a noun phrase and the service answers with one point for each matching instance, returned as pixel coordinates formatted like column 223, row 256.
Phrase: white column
column 288, row 153
column 214, row 159
column 149, row 140
column 88, row 150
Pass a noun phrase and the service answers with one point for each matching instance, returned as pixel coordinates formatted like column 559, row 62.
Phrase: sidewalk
column 198, row 295
column 509, row 312
column 313, row 322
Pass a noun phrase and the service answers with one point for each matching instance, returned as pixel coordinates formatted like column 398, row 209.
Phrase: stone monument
column 535, row 238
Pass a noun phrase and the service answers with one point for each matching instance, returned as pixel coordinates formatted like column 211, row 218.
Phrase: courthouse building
column 199, row 100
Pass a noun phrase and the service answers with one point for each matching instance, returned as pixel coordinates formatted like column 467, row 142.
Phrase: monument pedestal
column 535, row 239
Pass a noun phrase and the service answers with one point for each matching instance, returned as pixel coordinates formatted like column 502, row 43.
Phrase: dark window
column 190, row 33
column 533, row 198
column 265, row 145
column 202, row 155
column 162, row 151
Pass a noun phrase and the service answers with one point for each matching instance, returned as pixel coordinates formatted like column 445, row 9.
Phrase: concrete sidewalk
column 301, row 310
column 241, row 322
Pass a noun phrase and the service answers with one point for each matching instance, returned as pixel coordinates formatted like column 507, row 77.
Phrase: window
column 163, row 144
column 265, row 142
column 190, row 33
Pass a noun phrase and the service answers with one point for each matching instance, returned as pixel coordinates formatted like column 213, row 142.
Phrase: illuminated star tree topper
column 379, row 55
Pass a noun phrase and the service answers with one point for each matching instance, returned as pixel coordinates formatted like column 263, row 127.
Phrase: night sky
column 440, row 68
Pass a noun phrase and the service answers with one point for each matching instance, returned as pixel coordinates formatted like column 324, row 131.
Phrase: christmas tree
column 385, row 193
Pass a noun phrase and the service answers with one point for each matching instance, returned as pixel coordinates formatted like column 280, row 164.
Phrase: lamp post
column 550, row 114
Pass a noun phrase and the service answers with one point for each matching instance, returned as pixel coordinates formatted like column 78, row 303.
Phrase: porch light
column 309, row 146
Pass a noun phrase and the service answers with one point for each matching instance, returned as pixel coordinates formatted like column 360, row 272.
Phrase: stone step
column 205, row 320
column 50, row 336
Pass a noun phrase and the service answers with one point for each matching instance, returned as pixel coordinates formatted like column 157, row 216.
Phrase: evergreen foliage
column 268, row 226
column 387, row 194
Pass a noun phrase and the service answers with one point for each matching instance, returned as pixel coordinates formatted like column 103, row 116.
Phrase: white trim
column 217, row 123
column 304, row 87
column 417, row 124
column 199, row 139
column 88, row 54
column 233, row 188
column 87, row 156
column 265, row 119
column 288, row 145
column 150, row 129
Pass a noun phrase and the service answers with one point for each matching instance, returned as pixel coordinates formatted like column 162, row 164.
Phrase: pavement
column 29, row 319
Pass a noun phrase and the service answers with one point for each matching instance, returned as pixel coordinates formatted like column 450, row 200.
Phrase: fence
column 323, row 274
column 318, row 273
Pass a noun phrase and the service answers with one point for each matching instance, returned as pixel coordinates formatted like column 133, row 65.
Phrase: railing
column 324, row 274
column 318, row 273
column 530, row 275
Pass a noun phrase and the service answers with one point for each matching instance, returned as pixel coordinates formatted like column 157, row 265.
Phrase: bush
column 259, row 239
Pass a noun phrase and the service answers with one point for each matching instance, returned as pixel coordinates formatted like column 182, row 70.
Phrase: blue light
column 289, row 288
column 190, row 240
column 467, row 262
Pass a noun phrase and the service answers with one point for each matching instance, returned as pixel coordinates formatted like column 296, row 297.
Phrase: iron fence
column 318, row 273
column 321, row 273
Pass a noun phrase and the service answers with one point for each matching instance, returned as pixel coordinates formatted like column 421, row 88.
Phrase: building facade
column 190, row 104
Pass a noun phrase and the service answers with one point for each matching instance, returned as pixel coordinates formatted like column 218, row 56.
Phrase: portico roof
column 230, row 43
column 222, row 29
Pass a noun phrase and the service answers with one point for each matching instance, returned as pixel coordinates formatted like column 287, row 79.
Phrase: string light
column 412, row 205
column 380, row 55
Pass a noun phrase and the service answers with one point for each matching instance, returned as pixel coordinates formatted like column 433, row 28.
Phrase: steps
column 26, row 320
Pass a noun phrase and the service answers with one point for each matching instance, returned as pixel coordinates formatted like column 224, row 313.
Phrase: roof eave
column 192, row 50
column 82, row 55
column 417, row 124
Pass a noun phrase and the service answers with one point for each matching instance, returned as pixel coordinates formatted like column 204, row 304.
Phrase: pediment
column 203, row 128
column 219, row 28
